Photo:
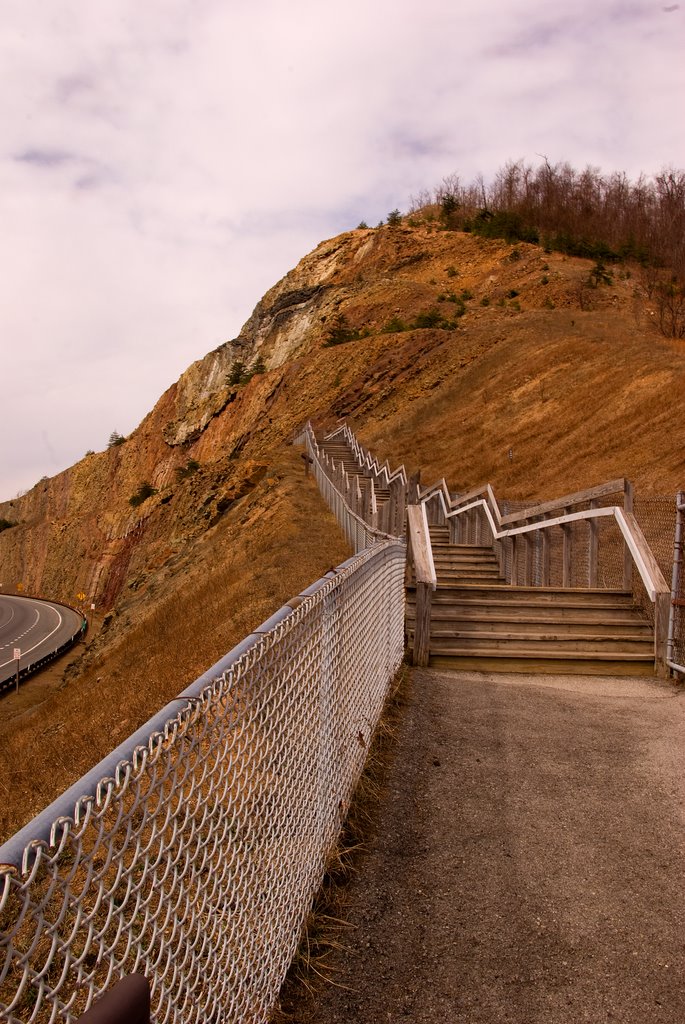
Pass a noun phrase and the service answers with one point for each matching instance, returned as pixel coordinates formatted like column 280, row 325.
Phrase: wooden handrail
column 485, row 490
column 418, row 538
column 578, row 498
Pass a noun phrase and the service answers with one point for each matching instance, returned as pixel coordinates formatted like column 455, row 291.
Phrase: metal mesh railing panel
column 197, row 863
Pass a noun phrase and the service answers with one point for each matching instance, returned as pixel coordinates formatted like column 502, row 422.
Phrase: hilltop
column 469, row 357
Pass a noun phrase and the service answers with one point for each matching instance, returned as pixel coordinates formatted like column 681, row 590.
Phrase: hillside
column 445, row 351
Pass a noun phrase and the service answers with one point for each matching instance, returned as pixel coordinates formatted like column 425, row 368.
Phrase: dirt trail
column 528, row 863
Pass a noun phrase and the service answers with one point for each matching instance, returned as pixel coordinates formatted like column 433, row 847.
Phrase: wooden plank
column 526, row 560
column 611, row 487
column 464, row 499
column 394, row 503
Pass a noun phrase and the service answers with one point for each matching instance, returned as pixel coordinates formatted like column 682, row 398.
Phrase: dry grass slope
column 270, row 546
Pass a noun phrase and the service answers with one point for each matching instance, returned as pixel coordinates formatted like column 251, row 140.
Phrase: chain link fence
column 195, row 856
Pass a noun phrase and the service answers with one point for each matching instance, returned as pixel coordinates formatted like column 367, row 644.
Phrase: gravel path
column 528, row 863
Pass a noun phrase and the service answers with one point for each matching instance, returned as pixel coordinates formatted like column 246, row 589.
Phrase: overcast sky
column 164, row 162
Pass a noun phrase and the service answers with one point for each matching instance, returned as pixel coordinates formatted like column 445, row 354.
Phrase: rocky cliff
column 452, row 345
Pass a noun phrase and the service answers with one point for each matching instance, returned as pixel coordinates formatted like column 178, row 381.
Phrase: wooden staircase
column 480, row 622
column 337, row 448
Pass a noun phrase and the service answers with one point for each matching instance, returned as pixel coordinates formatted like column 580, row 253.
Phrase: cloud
column 164, row 163
column 44, row 158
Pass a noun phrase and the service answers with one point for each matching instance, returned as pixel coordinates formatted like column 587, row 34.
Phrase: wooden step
column 559, row 664
column 449, row 624
column 541, row 644
column 446, row 573
column 453, row 603
column 461, row 558
column 534, row 596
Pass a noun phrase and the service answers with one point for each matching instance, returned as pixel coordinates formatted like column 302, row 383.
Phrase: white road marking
column 42, row 640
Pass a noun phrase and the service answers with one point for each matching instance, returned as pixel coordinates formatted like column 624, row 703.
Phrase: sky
column 164, row 162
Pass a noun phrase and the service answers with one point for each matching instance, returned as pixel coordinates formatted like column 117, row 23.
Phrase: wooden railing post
column 501, row 556
column 454, row 524
column 545, row 558
column 396, row 506
column 527, row 552
column 413, row 485
column 365, row 505
column 373, row 505
column 357, row 507
column 628, row 495
column 593, row 549
column 567, row 553
column 662, row 608
column 419, row 545
column 422, row 625
column 515, row 551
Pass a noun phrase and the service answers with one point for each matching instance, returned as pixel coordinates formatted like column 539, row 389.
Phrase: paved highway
column 37, row 628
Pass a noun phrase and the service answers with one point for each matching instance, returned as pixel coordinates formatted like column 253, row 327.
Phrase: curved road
column 36, row 627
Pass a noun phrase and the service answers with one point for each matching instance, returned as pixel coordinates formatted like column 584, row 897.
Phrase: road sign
column 20, row 586
column 17, row 653
column 81, row 596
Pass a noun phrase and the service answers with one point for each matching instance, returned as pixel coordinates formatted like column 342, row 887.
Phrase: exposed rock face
column 503, row 330
column 78, row 532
